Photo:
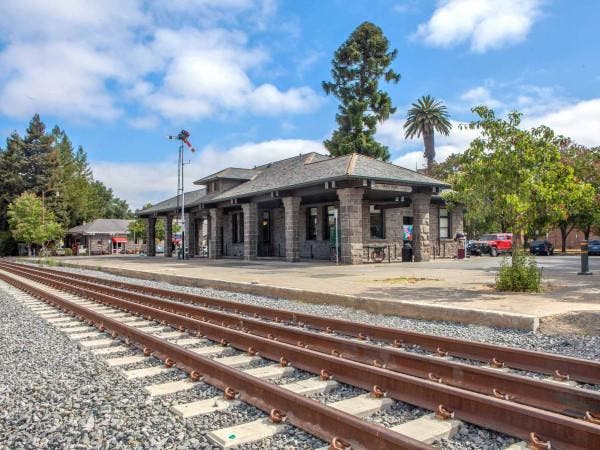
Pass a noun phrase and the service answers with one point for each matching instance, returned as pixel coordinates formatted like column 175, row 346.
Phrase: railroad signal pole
column 183, row 137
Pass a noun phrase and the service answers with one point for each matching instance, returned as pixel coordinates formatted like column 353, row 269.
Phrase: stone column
column 168, row 236
column 200, row 236
column 457, row 220
column 351, row 225
column 215, row 236
column 421, row 246
column 250, row 211
column 291, row 207
column 151, row 236
column 191, row 236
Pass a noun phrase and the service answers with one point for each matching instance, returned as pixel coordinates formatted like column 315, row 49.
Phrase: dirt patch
column 400, row 280
column 584, row 322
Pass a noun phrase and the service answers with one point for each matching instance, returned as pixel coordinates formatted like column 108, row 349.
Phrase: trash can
column 407, row 254
column 460, row 238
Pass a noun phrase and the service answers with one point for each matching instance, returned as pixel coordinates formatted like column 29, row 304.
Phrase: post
column 585, row 263
column 168, row 236
column 182, row 205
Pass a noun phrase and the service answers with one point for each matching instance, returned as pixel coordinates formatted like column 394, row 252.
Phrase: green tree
column 425, row 117
column 358, row 65
column 513, row 177
column 12, row 182
column 583, row 206
column 31, row 223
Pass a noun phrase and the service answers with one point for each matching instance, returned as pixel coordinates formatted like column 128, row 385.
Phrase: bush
column 519, row 274
column 8, row 245
column 68, row 252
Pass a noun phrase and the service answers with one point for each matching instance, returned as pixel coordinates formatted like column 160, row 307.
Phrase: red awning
column 119, row 239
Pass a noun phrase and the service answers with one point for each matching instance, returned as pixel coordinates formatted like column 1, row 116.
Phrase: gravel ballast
column 55, row 396
column 470, row 437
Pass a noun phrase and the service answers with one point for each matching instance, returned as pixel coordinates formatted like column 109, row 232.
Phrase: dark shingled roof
column 231, row 173
column 303, row 170
column 315, row 168
column 102, row 226
column 191, row 199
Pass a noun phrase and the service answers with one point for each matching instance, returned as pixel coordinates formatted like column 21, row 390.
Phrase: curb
column 404, row 308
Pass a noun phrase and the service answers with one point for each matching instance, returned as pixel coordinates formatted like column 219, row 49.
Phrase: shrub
column 68, row 252
column 519, row 274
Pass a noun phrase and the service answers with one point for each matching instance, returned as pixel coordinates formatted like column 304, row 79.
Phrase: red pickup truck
column 492, row 244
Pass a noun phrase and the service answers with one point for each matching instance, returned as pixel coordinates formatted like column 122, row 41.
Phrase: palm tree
column 425, row 117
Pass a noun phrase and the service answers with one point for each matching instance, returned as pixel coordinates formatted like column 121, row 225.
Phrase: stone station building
column 310, row 205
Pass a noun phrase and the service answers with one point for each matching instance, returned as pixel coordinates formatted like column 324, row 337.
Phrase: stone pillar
column 215, row 237
column 168, row 236
column 250, row 211
column 191, row 236
column 421, row 246
column 291, row 207
column 457, row 220
column 351, row 225
column 151, row 236
column 200, row 236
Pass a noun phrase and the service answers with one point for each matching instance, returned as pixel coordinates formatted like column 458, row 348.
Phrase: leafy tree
column 425, row 117
column 12, row 182
column 583, row 207
column 31, row 223
column 358, row 65
column 138, row 226
column 513, row 177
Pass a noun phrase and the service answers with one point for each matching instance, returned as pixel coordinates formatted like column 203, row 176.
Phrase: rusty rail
column 578, row 369
column 310, row 415
column 498, row 414
column 558, row 398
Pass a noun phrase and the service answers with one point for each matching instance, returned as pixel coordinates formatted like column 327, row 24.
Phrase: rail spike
column 444, row 413
column 277, row 416
column 537, row 443
column 338, row 444
column 229, row 393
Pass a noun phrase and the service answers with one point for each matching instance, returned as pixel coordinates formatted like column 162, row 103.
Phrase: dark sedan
column 594, row 247
column 541, row 247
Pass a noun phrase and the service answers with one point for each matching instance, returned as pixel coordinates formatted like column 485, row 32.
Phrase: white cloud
column 578, row 121
column 94, row 59
column 485, row 24
column 152, row 182
column 480, row 96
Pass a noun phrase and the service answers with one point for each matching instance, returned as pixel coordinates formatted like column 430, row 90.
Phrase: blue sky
column 244, row 76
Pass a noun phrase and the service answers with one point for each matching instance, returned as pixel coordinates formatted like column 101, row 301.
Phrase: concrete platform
column 428, row 428
column 202, row 407
column 451, row 290
column 245, row 433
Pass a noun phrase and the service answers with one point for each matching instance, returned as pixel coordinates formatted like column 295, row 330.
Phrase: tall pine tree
column 358, row 66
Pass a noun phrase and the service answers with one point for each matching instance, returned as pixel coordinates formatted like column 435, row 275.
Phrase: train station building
column 352, row 208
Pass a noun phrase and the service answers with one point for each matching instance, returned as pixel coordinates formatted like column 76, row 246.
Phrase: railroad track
column 553, row 412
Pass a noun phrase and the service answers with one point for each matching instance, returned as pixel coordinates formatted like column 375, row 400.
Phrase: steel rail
column 500, row 415
column 320, row 420
column 578, row 369
column 554, row 397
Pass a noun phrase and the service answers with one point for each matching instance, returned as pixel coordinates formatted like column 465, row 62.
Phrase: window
column 311, row 224
column 329, row 224
column 444, row 228
column 377, row 222
column 237, row 227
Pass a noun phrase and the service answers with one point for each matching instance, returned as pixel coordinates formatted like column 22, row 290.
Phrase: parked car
column 541, row 247
column 492, row 244
column 594, row 247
